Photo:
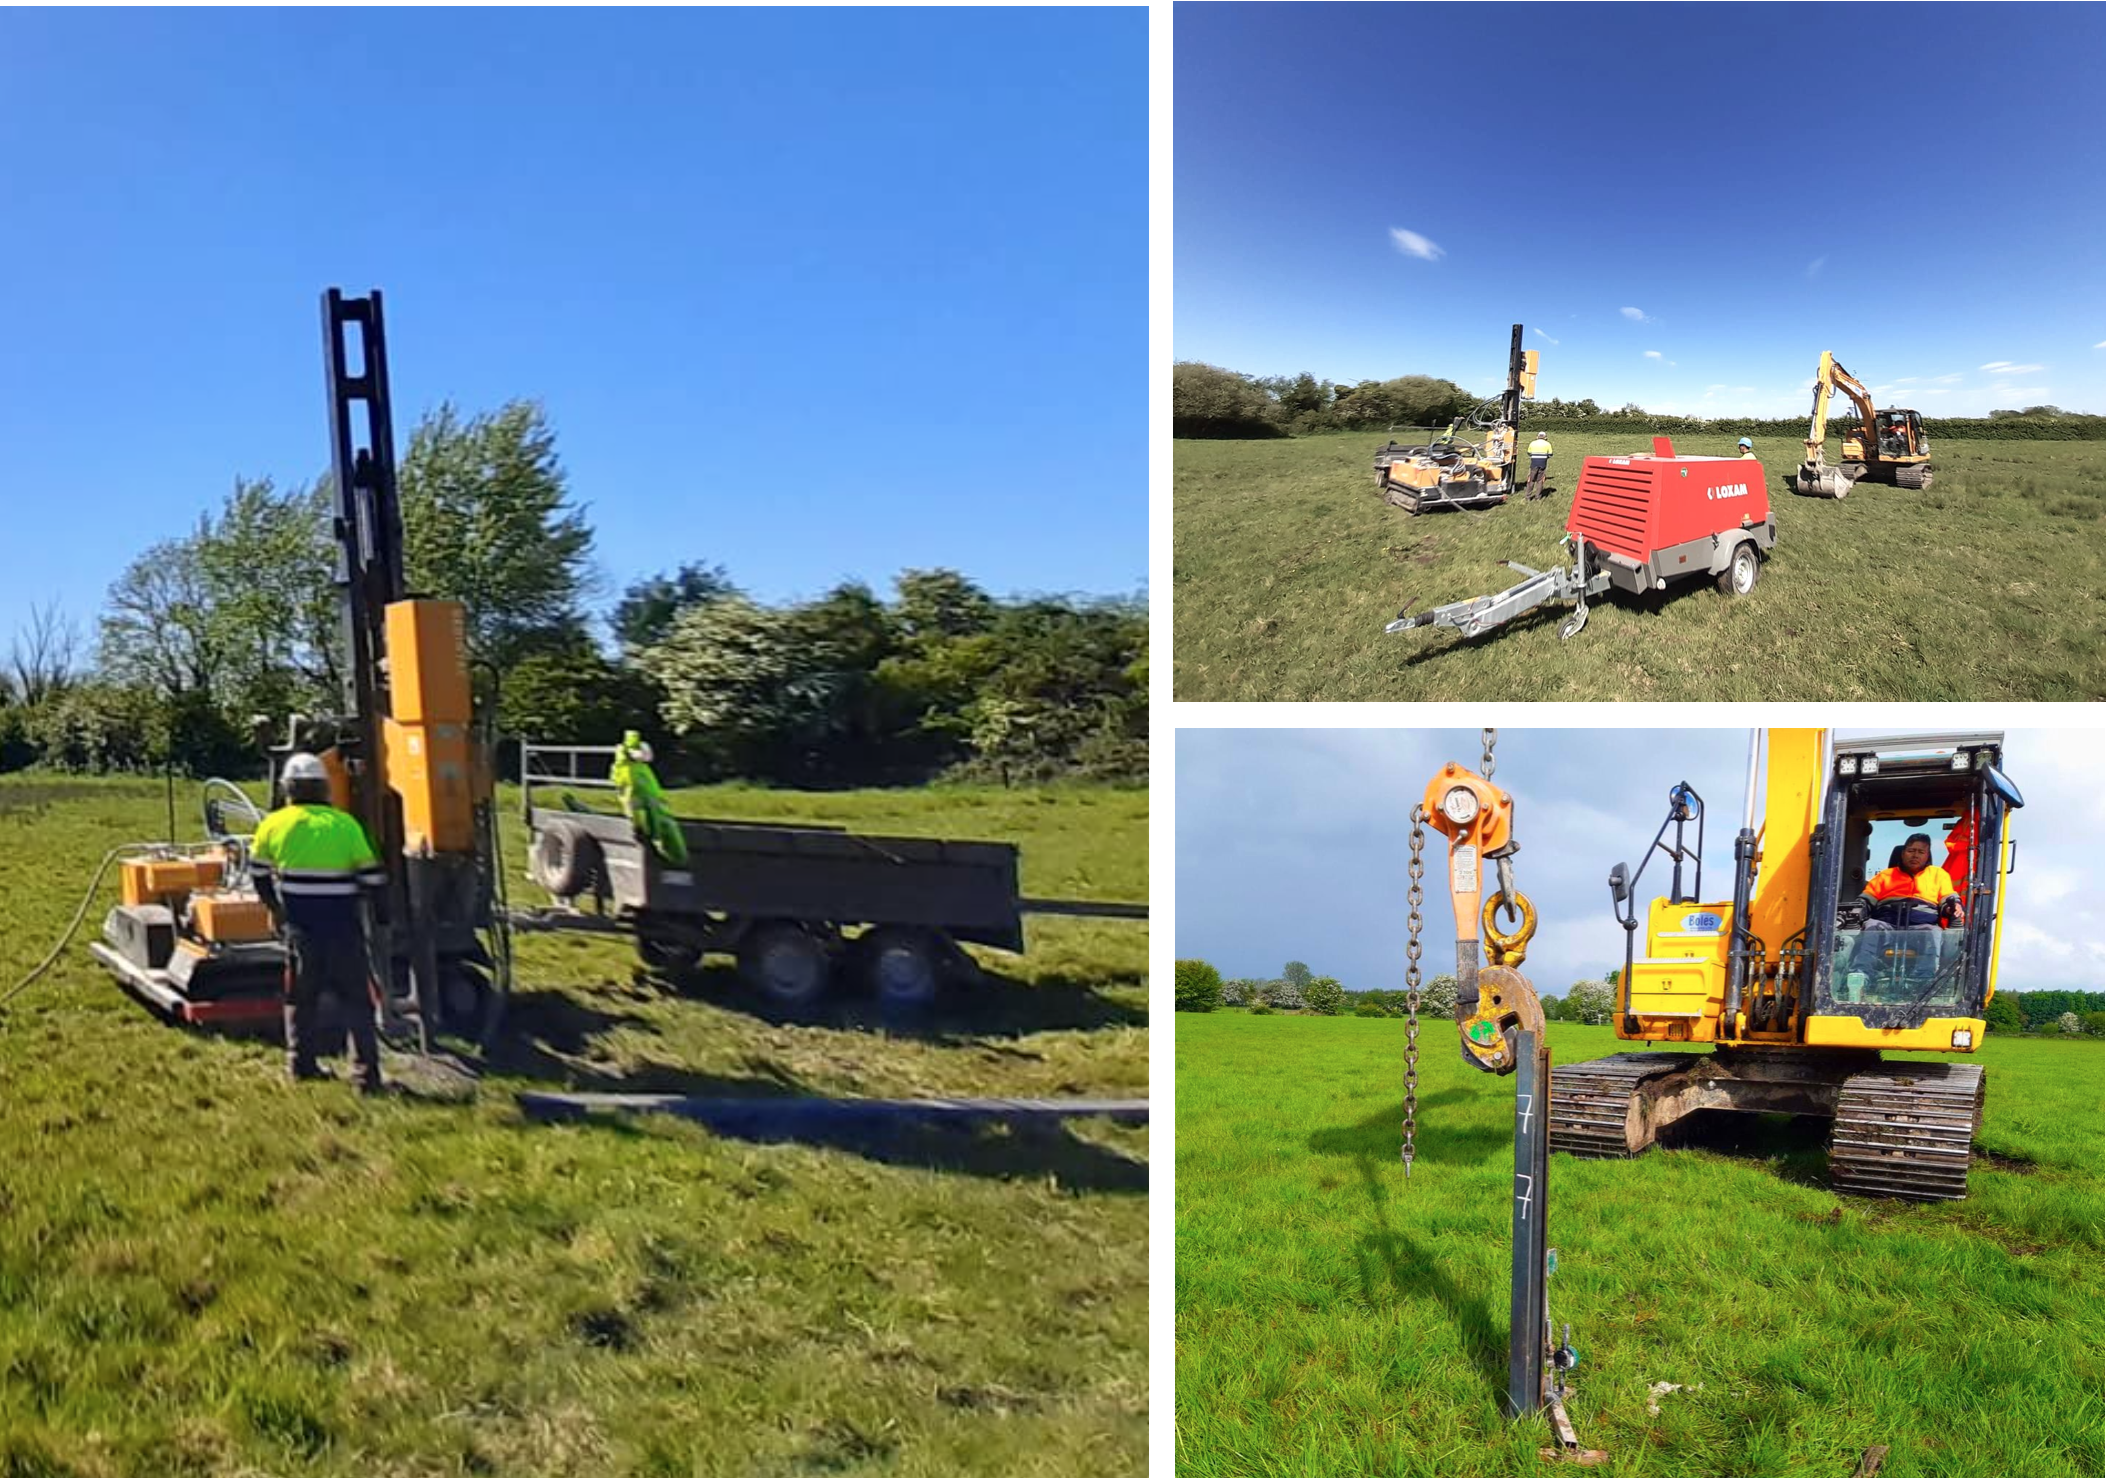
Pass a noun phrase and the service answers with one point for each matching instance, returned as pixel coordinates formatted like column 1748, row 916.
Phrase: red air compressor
column 1637, row 522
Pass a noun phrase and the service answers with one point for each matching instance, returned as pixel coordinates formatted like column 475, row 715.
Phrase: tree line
column 1200, row 987
column 1209, row 401
column 239, row 618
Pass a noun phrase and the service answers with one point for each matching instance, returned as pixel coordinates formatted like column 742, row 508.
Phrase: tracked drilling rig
column 1453, row 472
column 407, row 756
column 1799, row 982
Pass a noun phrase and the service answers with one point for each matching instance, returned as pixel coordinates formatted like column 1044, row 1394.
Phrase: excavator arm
column 1815, row 475
column 1834, row 377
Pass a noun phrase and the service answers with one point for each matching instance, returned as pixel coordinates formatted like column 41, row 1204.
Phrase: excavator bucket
column 1819, row 480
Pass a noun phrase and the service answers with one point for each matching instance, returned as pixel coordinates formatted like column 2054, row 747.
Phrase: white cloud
column 1636, row 315
column 2003, row 368
column 1906, row 380
column 1813, row 268
column 1940, row 390
column 1941, row 380
column 1997, row 364
column 1547, row 336
column 1652, row 354
column 2040, row 391
column 1412, row 244
column 2100, row 345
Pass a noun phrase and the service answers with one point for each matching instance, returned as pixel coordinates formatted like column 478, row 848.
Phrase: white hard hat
column 304, row 767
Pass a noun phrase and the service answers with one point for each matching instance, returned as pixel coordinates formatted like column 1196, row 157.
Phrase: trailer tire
column 665, row 948
column 565, row 859
column 1743, row 568
column 903, row 968
column 785, row 962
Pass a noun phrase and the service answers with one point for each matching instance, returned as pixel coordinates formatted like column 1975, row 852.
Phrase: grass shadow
column 994, row 1005
column 547, row 1038
column 1385, row 1254
column 1037, row 1154
column 1794, row 1147
column 1377, row 1138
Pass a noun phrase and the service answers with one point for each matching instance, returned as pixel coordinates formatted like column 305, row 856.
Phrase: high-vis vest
column 1959, row 851
column 315, row 861
column 1932, row 885
column 1540, row 447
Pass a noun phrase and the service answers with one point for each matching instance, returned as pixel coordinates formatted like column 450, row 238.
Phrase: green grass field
column 1331, row 1320
column 1990, row 584
column 206, row 1272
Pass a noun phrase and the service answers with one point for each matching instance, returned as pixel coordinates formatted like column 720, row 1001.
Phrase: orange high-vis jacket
column 1932, row 885
column 1959, row 851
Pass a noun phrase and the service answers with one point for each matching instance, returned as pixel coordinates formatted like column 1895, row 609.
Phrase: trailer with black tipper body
column 802, row 908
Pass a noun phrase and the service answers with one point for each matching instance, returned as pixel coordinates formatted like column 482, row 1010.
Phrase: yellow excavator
column 1887, row 446
column 1814, row 967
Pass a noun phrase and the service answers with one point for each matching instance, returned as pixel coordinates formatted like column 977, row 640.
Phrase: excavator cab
column 1900, row 434
column 1904, row 973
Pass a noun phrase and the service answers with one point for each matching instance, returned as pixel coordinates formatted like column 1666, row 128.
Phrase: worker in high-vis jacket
column 1959, row 852
column 1916, row 880
column 314, row 868
column 1747, row 450
column 1538, row 465
column 643, row 800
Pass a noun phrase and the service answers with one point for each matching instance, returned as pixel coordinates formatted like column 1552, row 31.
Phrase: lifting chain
column 1506, row 899
column 1411, row 985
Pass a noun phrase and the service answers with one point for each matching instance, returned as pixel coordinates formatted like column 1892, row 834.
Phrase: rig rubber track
column 1906, row 1129
column 1592, row 1103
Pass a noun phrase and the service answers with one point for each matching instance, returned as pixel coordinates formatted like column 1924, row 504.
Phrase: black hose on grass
column 87, row 901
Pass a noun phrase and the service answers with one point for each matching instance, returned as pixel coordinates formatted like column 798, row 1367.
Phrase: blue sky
column 1294, row 844
column 812, row 294
column 1685, row 203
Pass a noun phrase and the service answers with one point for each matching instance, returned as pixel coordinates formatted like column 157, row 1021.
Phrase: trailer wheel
column 903, row 968
column 1738, row 577
column 666, row 950
column 785, row 962
column 565, row 859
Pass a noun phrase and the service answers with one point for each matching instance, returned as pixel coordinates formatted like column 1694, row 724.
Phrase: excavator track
column 1913, row 476
column 1596, row 1108
column 1906, row 1129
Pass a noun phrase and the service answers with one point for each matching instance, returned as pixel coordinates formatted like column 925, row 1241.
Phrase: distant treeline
column 239, row 618
column 1208, row 401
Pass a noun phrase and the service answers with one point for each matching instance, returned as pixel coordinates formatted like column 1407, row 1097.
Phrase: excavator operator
column 1914, row 896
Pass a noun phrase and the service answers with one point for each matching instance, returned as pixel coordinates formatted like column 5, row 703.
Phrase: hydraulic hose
column 87, row 901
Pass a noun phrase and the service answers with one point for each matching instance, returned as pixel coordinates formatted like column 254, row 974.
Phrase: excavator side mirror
column 1619, row 883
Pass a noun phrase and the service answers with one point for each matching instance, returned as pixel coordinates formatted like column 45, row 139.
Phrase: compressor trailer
column 1637, row 523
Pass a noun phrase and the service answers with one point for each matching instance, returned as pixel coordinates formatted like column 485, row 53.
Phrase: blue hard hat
column 1746, row 443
